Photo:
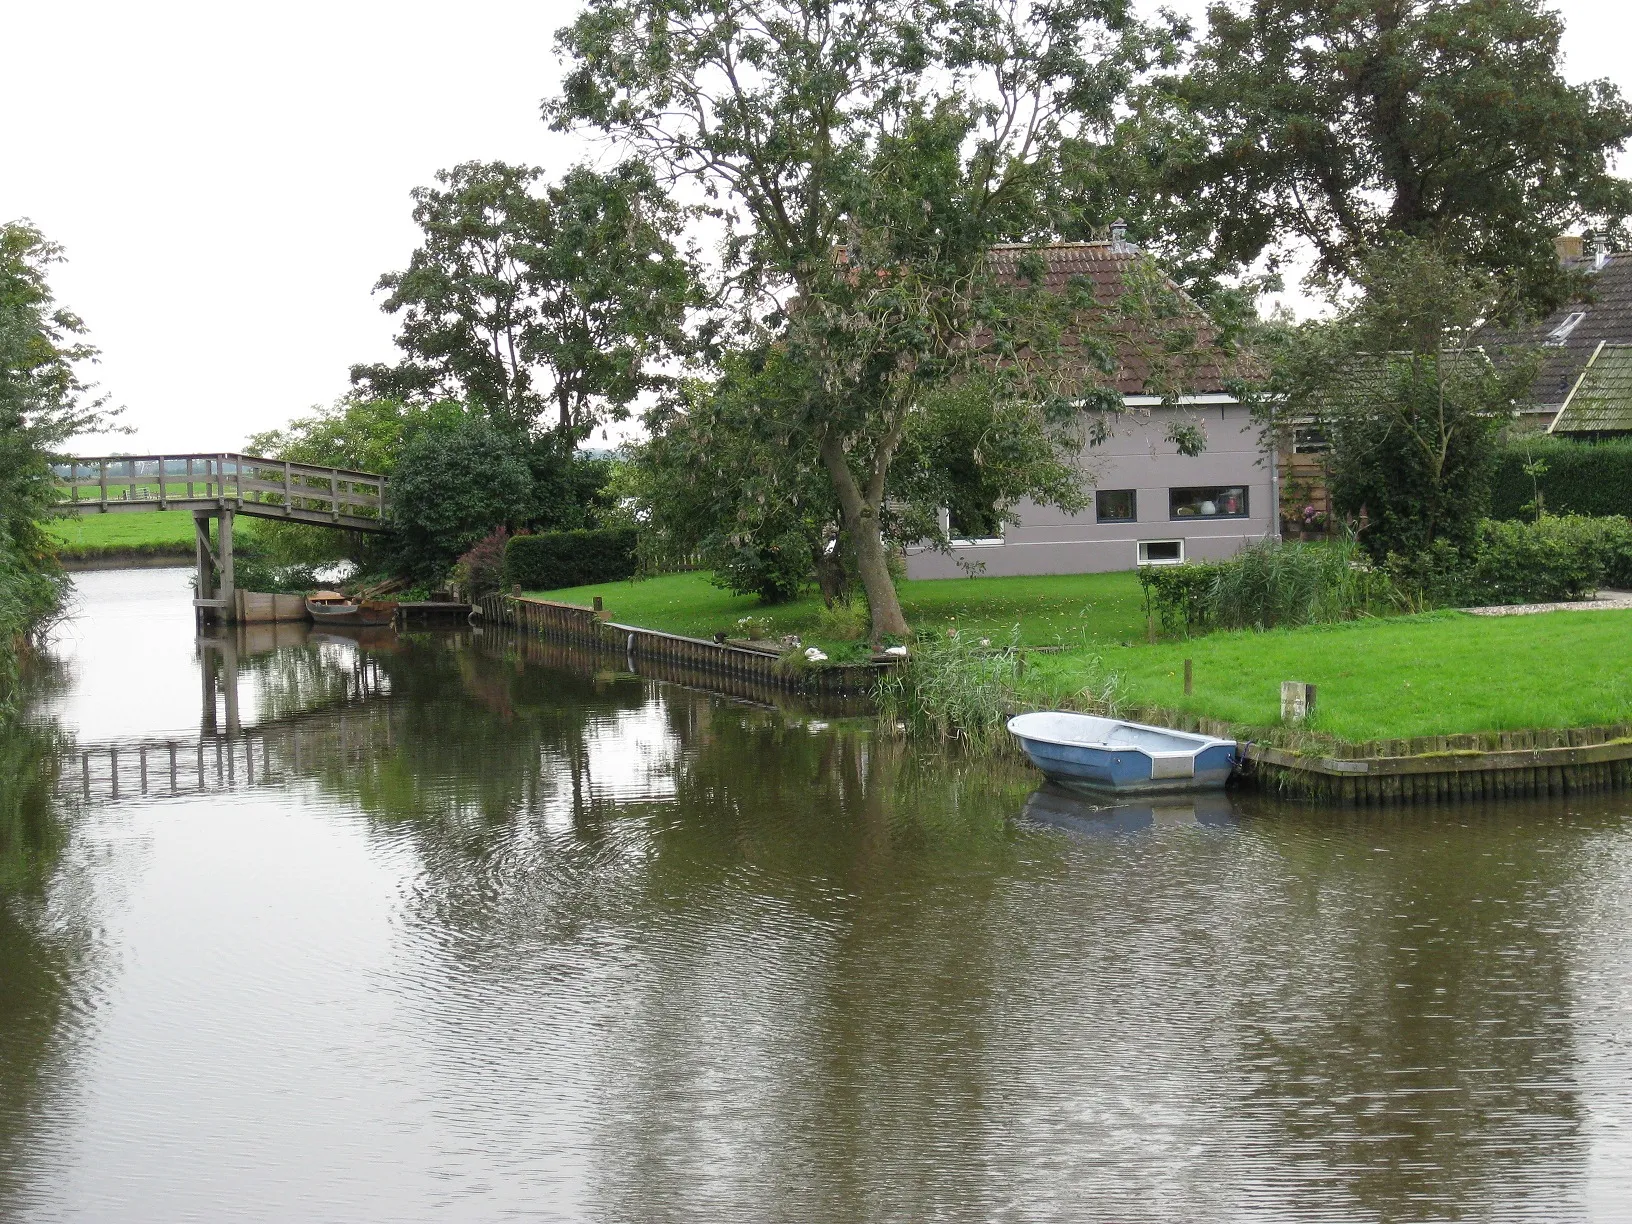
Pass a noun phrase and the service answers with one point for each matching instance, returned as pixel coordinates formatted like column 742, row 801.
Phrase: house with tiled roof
column 1600, row 403
column 1570, row 336
column 1151, row 504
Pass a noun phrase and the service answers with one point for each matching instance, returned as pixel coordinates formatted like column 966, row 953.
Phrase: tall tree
column 866, row 155
column 1341, row 122
column 565, row 303
column 44, row 401
column 1412, row 406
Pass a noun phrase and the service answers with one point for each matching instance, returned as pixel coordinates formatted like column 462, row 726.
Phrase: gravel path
column 1607, row 601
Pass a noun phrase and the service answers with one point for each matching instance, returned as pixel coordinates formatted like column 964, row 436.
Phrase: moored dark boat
column 333, row 608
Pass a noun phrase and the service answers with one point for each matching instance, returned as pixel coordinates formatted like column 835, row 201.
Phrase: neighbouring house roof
column 1186, row 341
column 1571, row 334
column 1601, row 401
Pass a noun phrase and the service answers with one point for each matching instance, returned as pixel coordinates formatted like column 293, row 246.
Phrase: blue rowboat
column 1125, row 757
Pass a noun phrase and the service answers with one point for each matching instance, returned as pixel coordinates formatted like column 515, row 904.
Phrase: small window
column 1309, row 440
column 1116, row 506
column 1215, row 501
column 1561, row 333
column 1161, row 552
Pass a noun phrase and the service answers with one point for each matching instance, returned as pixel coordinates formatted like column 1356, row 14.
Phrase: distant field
column 144, row 531
column 1069, row 609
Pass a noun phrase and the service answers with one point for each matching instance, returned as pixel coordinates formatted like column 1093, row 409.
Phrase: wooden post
column 599, row 606
column 224, row 552
column 1189, row 678
column 1297, row 701
column 201, row 546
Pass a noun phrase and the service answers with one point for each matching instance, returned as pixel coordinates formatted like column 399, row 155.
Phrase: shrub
column 1582, row 478
column 451, row 488
column 1269, row 584
column 1561, row 557
column 253, row 572
column 480, row 571
column 1180, row 595
column 558, row 559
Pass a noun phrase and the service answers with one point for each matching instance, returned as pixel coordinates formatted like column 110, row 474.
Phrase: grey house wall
column 1047, row 541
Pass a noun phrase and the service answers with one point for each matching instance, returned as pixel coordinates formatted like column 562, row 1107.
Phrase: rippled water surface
column 452, row 928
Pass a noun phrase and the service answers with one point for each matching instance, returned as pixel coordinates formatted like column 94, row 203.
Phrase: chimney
column 1119, row 230
column 1600, row 252
column 1570, row 248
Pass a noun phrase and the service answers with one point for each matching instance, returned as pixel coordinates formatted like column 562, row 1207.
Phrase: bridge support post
column 204, row 588
column 215, row 579
column 224, row 553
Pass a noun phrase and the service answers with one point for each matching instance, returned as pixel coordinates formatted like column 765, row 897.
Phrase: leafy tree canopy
column 1340, row 122
column 44, row 401
column 1411, row 405
column 565, row 302
column 452, row 487
column 866, row 156
column 357, row 432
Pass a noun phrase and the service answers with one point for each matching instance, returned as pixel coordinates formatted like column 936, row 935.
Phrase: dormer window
column 1561, row 333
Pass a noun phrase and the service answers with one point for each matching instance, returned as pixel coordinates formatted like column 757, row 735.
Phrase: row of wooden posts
column 590, row 627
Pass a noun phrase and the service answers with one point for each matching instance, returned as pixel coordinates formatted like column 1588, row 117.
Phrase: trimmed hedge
column 1591, row 478
column 1558, row 559
column 557, row 559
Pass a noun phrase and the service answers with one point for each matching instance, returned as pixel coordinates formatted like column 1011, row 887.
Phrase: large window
column 1116, row 506
column 1211, row 501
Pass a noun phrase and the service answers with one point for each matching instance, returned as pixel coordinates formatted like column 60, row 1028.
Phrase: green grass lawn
column 130, row 529
column 1096, row 610
column 1445, row 673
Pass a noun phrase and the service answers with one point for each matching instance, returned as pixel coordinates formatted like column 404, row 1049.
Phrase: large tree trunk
column 861, row 521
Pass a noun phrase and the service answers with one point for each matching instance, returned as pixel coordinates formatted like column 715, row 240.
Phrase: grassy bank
column 147, row 533
column 1443, row 673
column 1092, row 610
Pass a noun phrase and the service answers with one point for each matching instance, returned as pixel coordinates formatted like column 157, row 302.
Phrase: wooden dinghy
column 333, row 608
column 1124, row 757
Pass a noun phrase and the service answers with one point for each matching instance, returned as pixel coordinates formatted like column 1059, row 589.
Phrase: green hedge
column 1560, row 558
column 1592, row 478
column 558, row 559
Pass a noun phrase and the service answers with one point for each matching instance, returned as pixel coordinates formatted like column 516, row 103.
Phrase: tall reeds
column 1269, row 585
column 964, row 689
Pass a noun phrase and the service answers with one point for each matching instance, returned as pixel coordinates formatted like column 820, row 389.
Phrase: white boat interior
column 1088, row 731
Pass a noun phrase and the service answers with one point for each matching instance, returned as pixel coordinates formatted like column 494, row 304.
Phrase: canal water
column 457, row 928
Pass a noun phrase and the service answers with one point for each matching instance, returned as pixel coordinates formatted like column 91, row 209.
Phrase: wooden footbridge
column 222, row 486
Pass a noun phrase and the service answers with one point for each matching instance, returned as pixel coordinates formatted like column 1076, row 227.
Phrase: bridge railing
column 249, row 483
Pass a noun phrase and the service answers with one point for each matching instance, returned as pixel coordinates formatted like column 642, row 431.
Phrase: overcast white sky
column 230, row 180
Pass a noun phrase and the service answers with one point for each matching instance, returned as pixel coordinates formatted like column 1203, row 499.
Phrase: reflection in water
column 487, row 930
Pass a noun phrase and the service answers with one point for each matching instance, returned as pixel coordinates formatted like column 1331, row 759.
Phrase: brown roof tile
column 1185, row 343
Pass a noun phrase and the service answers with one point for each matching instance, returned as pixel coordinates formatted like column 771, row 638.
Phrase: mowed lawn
column 130, row 529
column 1094, row 610
column 1445, row 673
